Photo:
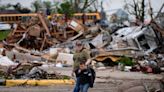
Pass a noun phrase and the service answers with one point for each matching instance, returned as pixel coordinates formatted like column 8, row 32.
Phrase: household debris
column 51, row 44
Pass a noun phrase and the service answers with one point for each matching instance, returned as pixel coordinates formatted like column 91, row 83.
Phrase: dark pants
column 77, row 85
column 84, row 87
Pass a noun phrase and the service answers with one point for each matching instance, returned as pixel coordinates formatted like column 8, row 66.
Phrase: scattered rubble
column 35, row 46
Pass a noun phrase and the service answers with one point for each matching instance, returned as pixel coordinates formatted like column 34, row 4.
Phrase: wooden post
column 44, row 24
column 41, row 48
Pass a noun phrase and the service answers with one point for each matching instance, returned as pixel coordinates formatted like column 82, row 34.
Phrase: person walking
column 79, row 55
column 86, row 77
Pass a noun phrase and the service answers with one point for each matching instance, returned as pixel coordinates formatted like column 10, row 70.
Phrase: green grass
column 126, row 61
column 4, row 34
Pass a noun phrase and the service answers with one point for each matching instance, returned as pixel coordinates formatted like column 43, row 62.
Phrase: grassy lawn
column 4, row 34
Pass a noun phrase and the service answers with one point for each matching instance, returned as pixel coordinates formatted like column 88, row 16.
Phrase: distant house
column 122, row 14
column 119, row 13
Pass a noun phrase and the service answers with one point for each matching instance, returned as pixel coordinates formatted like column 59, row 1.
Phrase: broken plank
column 44, row 24
column 76, row 36
column 43, row 43
column 21, row 48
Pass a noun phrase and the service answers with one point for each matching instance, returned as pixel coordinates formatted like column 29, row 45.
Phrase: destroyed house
column 134, row 38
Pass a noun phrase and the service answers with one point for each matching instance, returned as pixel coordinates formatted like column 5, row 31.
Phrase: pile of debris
column 29, row 31
column 43, row 40
column 27, row 69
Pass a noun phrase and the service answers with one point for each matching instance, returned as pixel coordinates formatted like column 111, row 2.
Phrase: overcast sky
column 115, row 4
column 108, row 4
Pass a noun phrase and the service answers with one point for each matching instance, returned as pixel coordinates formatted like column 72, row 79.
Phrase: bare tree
column 96, row 5
column 87, row 4
column 136, row 8
column 36, row 5
column 81, row 6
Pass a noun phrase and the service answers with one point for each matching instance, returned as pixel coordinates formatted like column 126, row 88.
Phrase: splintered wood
column 27, row 30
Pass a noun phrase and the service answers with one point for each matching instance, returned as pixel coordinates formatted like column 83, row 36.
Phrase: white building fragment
column 133, row 41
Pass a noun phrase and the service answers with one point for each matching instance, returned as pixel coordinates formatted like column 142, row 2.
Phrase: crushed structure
column 36, row 44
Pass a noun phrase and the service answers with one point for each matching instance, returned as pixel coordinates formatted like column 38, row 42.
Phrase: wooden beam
column 76, row 36
column 43, row 43
column 31, row 15
column 19, row 48
column 44, row 24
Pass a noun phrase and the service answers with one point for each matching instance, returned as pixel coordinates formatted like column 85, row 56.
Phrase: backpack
column 93, row 77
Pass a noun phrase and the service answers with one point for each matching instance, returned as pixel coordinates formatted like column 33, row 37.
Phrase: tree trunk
column 135, row 9
column 143, row 10
column 76, row 6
